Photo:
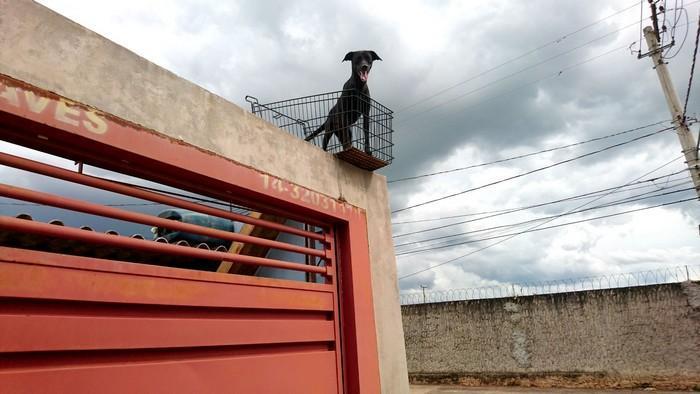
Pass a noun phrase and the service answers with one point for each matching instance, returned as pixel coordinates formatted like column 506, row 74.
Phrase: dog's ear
column 348, row 56
column 375, row 56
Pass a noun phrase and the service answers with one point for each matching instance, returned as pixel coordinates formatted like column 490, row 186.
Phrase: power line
column 505, row 226
column 559, row 225
column 622, row 201
column 692, row 71
column 481, row 249
column 520, row 71
column 527, row 154
column 547, row 77
column 500, row 228
column 586, row 195
column 679, row 11
column 516, row 209
column 555, row 41
column 532, row 171
column 232, row 207
column 676, row 182
column 641, row 19
column 550, row 76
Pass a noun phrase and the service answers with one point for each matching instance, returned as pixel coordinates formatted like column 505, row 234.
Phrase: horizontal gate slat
column 52, row 333
column 31, row 274
column 290, row 373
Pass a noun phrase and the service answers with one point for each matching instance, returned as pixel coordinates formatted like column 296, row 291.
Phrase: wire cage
column 335, row 121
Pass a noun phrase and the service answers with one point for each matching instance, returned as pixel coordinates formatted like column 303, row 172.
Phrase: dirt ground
column 551, row 383
column 432, row 389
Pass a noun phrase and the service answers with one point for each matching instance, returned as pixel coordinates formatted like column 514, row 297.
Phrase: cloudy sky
column 470, row 82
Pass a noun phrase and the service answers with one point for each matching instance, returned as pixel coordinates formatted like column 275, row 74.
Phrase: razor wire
column 612, row 281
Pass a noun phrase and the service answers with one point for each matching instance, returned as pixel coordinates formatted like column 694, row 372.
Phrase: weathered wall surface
column 622, row 338
column 45, row 49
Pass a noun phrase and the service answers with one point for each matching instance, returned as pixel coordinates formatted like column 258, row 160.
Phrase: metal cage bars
column 302, row 116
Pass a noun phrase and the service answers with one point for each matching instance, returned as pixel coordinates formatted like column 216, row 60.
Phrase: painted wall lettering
column 94, row 123
column 36, row 104
column 67, row 114
column 60, row 110
column 9, row 94
column 304, row 195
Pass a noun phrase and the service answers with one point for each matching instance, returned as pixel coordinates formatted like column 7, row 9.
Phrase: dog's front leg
column 365, row 127
column 345, row 137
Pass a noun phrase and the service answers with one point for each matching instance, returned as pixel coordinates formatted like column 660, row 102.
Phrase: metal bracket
column 654, row 52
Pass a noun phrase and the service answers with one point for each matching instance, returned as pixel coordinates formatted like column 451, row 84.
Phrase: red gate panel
column 86, row 311
column 90, row 325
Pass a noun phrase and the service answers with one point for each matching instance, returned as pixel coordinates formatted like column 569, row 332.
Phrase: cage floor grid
column 361, row 159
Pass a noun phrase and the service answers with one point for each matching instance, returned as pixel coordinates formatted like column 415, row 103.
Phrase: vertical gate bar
column 307, row 258
column 332, row 275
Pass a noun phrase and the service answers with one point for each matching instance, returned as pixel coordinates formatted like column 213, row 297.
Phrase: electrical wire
column 615, row 203
column 692, row 71
column 550, row 76
column 679, row 11
column 641, row 19
column 547, row 77
column 618, row 202
column 500, row 212
column 232, row 207
column 586, row 195
column 520, row 71
column 527, row 154
column 561, row 224
column 555, row 41
column 491, row 245
column 533, row 171
column 663, row 22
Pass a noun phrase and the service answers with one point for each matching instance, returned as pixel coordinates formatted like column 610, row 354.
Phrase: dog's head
column 362, row 63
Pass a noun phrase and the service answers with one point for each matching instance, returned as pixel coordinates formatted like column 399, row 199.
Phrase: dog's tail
column 315, row 133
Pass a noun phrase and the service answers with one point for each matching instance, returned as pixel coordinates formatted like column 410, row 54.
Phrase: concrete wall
column 45, row 49
column 627, row 337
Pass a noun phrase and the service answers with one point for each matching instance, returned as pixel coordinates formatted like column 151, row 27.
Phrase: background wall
column 628, row 337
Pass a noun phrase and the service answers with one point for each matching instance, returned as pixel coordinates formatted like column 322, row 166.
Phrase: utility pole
column 686, row 138
column 423, row 287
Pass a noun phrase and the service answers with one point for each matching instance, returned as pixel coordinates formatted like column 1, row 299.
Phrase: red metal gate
column 74, row 318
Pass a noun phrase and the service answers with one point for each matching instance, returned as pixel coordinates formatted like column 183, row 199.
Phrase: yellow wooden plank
column 250, row 249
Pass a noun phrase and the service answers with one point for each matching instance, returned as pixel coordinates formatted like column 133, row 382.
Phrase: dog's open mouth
column 364, row 73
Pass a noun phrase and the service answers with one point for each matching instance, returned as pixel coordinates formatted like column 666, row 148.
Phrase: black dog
column 353, row 102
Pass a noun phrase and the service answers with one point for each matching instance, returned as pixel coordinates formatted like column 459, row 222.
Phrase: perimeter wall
column 628, row 337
